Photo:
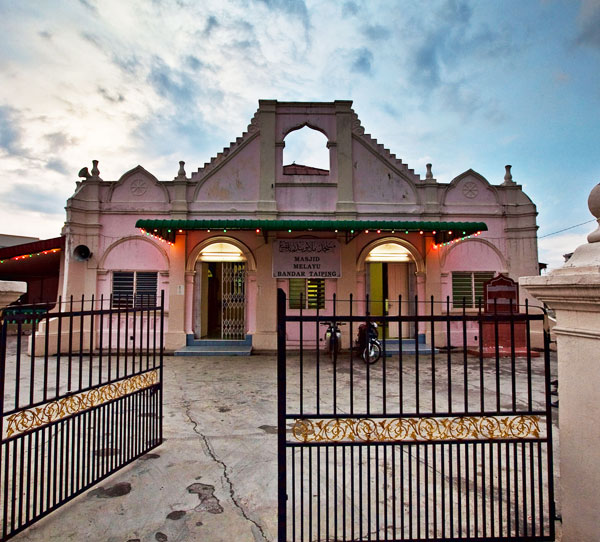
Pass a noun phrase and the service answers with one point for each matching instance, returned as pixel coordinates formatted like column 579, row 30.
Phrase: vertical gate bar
column 13, row 485
column 118, row 353
column 468, row 488
column 351, row 367
column 483, row 491
column 377, row 490
column 410, row 493
column 91, row 341
column 426, row 476
column 481, row 375
column 344, row 494
column 497, row 352
column 516, row 485
column 385, row 491
column 126, row 337
column 459, row 489
column 110, row 313
column 419, row 504
column 302, row 515
column 133, row 335
column 524, row 488
column 465, row 360
column 46, row 349
column 360, row 492
column 147, row 313
column 160, row 365
column 154, row 335
column 80, row 375
column 451, row 488
column 550, row 462
column 402, row 499
column 528, row 337
column 443, row 482
column 532, row 488
column 72, row 449
column 449, row 353
column 141, row 309
column 21, row 482
column 435, row 491
column 18, row 364
column 394, row 514
column 59, row 315
column 385, row 327
column 64, row 471
column 101, row 339
column 326, row 492
column 318, row 451
column 44, row 473
column 369, row 499
column 310, row 494
column 281, row 410
column 34, row 504
column 500, row 492
column 400, row 375
column 70, row 360
column 293, row 450
column 492, row 491
column 336, row 346
column 417, row 371
column 317, row 399
column 31, row 372
column 301, row 323
column 513, row 370
column 5, row 446
column 508, row 495
column 368, row 394
column 433, row 391
column 55, row 465
column 540, row 488
column 475, row 492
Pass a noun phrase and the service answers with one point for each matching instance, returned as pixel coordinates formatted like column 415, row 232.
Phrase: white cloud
column 552, row 249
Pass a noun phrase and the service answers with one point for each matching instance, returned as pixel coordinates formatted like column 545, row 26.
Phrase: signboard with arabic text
column 306, row 258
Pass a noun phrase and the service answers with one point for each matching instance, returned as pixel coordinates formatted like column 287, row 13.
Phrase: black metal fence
column 440, row 439
column 80, row 397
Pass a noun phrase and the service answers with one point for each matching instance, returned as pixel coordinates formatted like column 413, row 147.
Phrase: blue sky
column 459, row 84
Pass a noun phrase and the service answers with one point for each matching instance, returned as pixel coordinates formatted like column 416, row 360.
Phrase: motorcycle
column 333, row 338
column 368, row 343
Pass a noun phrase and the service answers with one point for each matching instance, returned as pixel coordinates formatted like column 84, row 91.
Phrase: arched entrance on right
column 391, row 282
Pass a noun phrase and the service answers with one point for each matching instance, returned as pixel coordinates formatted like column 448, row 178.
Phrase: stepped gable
column 359, row 132
column 221, row 157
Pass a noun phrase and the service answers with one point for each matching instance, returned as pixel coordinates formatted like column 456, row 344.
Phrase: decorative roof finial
column 95, row 170
column 508, row 176
column 594, row 207
column 429, row 174
column 181, row 172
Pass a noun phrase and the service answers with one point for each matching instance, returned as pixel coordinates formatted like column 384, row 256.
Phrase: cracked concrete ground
column 213, row 479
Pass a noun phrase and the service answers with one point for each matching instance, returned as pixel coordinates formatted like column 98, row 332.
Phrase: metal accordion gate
column 80, row 398
column 431, row 442
column 233, row 300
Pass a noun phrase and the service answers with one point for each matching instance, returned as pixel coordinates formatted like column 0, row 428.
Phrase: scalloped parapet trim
column 359, row 131
column 217, row 160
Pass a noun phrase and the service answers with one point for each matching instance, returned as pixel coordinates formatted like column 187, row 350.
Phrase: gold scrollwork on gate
column 25, row 420
column 415, row 429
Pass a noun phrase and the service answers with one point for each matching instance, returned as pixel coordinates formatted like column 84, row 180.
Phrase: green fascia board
column 170, row 226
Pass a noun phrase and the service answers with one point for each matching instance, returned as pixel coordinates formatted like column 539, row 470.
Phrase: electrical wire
column 565, row 229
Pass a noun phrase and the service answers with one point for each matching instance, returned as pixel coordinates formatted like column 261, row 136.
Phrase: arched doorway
column 220, row 292
column 390, row 276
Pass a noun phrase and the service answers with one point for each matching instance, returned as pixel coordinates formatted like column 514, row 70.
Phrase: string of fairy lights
column 31, row 255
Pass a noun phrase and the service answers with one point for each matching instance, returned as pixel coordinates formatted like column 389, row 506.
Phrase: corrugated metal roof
column 31, row 248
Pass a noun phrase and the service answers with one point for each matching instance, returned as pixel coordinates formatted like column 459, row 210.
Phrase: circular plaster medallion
column 139, row 187
column 470, row 190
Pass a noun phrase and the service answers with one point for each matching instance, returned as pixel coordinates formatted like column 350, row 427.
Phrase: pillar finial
column 508, row 179
column 429, row 174
column 181, row 172
column 95, row 171
column 594, row 207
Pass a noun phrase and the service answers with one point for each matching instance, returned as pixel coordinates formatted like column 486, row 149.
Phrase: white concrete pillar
column 573, row 291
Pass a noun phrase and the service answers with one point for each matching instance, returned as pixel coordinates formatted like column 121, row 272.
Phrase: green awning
column 444, row 231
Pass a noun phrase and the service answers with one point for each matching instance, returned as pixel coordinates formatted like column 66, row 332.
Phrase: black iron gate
column 79, row 399
column 437, row 440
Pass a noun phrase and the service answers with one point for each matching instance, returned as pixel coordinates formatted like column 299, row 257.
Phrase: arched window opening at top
column 305, row 153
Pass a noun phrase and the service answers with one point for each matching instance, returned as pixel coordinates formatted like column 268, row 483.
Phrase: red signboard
column 499, row 293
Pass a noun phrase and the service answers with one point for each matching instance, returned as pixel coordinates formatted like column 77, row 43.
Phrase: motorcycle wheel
column 372, row 352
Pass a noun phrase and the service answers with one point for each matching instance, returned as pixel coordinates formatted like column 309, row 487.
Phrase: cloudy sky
column 460, row 84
